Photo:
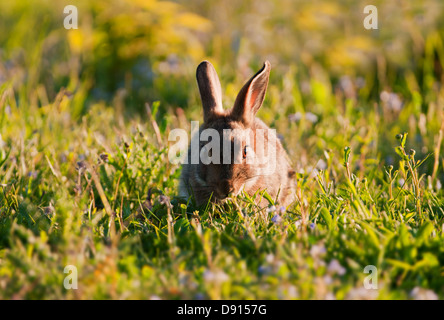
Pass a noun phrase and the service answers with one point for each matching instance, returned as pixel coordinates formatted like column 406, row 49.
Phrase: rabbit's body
column 270, row 169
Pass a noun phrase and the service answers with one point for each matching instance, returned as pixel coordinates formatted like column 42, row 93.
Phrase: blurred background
column 74, row 98
column 324, row 62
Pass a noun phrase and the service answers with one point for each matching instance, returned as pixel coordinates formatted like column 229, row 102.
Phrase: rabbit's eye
column 244, row 152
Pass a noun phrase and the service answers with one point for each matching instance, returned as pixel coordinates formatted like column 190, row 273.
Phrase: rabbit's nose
column 225, row 188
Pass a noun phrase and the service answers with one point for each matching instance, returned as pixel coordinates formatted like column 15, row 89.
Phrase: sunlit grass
column 85, row 178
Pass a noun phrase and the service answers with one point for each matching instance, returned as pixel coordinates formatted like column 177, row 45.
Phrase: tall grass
column 84, row 172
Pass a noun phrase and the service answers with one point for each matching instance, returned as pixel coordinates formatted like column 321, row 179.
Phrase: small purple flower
column 165, row 200
column 32, row 174
column 199, row 296
column 311, row 117
column 391, row 100
column 295, row 117
column 328, row 280
column 264, row 270
column 63, row 158
column 276, row 219
column 104, row 157
column 49, row 210
column 298, row 224
column 321, row 165
column 346, row 84
column 270, row 258
column 360, row 82
column 215, row 277
column 312, row 226
column 335, row 267
column 317, row 250
column 423, row 294
column 81, row 167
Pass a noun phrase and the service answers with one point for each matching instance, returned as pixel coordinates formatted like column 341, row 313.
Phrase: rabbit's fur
column 218, row 181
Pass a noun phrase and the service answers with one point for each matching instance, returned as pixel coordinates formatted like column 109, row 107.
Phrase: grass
column 85, row 178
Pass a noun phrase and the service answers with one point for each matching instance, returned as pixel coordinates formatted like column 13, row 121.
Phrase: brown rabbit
column 270, row 171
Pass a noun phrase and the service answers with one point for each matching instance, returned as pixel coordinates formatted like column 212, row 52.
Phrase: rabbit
column 218, row 181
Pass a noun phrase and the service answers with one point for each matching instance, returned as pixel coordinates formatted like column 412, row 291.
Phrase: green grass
column 85, row 178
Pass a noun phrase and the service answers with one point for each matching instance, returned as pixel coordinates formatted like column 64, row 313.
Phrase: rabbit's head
column 237, row 151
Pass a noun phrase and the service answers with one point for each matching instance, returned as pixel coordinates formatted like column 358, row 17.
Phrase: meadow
column 85, row 179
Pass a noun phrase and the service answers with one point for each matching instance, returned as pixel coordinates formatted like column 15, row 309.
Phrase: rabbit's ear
column 210, row 90
column 251, row 96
